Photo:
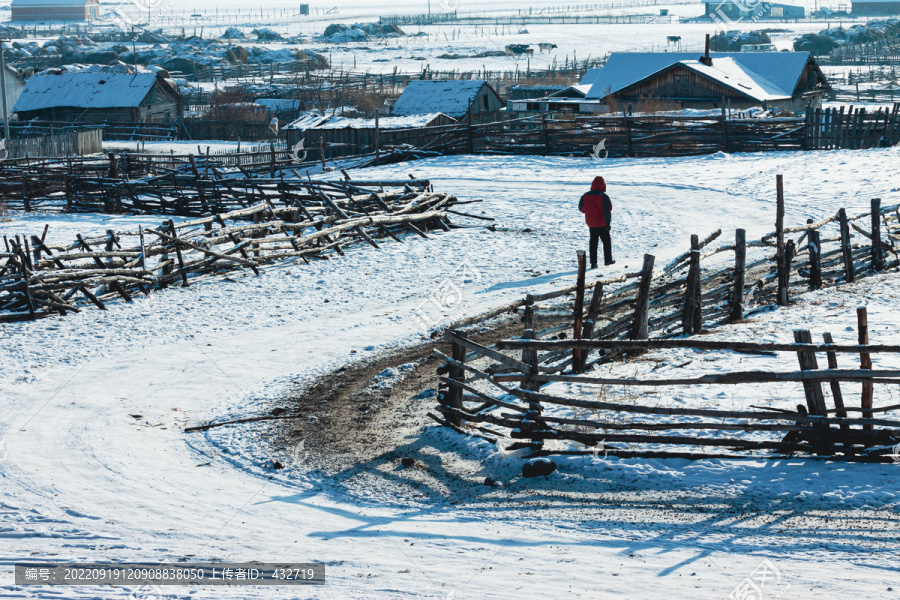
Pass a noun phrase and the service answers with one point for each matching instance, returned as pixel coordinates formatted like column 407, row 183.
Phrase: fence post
column 627, row 133
column 815, row 398
column 835, row 385
column 530, row 357
column 692, row 319
column 813, row 242
column 782, row 265
column 724, row 129
column 579, row 309
column 377, row 141
column 546, row 134
column 588, row 330
column 740, row 261
column 865, row 362
column 847, row 252
column 470, row 143
column 113, row 170
column 877, row 251
column 453, row 396
column 322, row 150
column 640, row 323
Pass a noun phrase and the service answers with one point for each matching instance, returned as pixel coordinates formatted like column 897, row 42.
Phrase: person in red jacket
column 597, row 209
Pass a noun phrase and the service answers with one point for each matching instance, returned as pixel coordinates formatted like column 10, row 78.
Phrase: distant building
column 55, row 10
column 14, row 86
column 455, row 98
column 341, row 132
column 875, row 7
column 95, row 96
column 787, row 80
column 736, row 10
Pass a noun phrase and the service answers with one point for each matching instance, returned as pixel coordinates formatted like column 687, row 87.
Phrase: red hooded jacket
column 596, row 205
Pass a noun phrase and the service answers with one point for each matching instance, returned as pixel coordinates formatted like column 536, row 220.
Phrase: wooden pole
column 579, row 308
column 815, row 398
column 865, row 362
column 640, row 323
column 877, row 251
column 780, row 258
column 740, row 262
column 453, row 396
column 692, row 320
column 813, row 241
column 835, row 385
column 847, row 253
column 322, row 150
column 588, row 330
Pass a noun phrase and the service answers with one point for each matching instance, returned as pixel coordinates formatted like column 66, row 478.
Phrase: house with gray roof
column 788, row 80
column 458, row 99
column 96, row 95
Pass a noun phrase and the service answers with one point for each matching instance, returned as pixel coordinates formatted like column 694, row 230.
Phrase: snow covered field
column 95, row 466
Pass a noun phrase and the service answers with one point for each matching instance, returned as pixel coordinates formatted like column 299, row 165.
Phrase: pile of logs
column 40, row 279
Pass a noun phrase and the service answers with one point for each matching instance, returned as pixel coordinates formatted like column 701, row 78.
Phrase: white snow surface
column 94, row 465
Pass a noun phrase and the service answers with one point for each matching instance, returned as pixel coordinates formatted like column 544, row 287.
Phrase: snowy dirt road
column 95, row 465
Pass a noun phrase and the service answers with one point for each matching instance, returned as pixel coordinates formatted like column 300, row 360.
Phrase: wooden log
column 835, row 385
column 639, row 322
column 849, row 272
column 692, row 319
column 733, row 378
column 579, row 308
column 487, row 352
column 815, row 259
column 740, row 263
column 780, row 254
column 815, row 398
column 877, row 251
column 588, row 331
column 453, row 396
column 865, row 360
column 693, row 344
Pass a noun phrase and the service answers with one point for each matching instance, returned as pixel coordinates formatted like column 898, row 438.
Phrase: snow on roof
column 85, row 89
column 307, row 120
column 453, row 98
column 730, row 74
column 579, row 90
column 773, row 74
column 339, row 122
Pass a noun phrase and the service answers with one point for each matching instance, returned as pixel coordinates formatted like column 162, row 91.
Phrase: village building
column 458, row 99
column 362, row 135
column 97, row 96
column 14, row 86
column 55, row 10
column 678, row 80
column 875, row 7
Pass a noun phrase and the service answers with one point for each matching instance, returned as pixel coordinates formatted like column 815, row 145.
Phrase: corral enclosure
column 225, row 348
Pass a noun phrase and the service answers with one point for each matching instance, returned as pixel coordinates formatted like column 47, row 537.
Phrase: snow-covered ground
column 95, row 465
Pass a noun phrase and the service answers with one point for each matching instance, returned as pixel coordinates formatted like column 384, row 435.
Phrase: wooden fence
column 71, row 143
column 648, row 309
column 39, row 278
column 832, row 128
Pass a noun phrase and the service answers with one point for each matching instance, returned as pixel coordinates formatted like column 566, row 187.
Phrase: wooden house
column 677, row 80
column 14, row 86
column 458, row 99
column 95, row 96
column 359, row 136
column 55, row 10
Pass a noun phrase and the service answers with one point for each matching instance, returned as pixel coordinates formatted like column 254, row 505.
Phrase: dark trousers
column 597, row 234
